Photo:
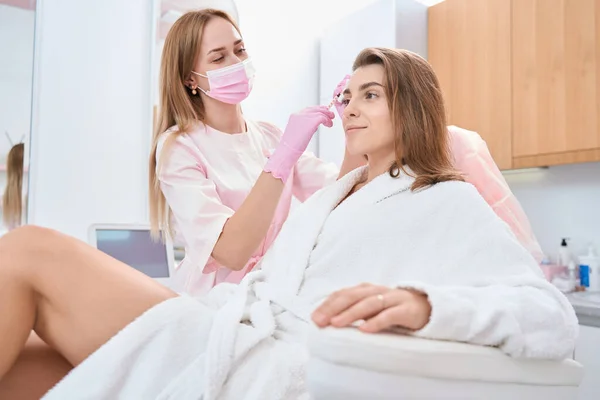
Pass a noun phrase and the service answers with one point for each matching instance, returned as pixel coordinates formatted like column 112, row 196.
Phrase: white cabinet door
column 587, row 353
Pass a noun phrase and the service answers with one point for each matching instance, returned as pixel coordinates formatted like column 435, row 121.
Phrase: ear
column 190, row 81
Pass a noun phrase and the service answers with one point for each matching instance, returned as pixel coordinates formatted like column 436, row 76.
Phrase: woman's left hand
column 379, row 306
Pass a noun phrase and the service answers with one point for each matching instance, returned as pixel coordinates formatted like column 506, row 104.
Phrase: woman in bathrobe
column 401, row 242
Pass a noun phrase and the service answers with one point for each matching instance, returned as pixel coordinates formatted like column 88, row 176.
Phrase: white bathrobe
column 247, row 341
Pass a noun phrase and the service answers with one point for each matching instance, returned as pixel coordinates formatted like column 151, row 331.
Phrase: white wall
column 283, row 39
column 92, row 113
column 561, row 201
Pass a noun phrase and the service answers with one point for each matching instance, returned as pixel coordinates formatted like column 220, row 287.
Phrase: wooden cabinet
column 555, row 80
column 525, row 74
column 469, row 48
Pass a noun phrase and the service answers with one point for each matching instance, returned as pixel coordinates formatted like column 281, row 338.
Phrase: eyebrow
column 223, row 48
column 364, row 86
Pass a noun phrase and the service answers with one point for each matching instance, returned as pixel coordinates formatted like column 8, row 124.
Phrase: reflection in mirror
column 17, row 22
column 12, row 199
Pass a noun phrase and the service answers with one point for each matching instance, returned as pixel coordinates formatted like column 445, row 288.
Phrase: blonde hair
column 12, row 200
column 418, row 115
column 177, row 105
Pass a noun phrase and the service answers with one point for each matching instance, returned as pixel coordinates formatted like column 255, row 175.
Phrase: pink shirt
column 207, row 176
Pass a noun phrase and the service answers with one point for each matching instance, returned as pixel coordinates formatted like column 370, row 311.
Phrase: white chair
column 348, row 364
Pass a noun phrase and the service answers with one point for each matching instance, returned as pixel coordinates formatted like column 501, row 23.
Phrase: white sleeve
column 496, row 296
column 198, row 211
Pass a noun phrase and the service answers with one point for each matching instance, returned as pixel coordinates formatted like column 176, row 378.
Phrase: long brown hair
column 12, row 200
column 177, row 105
column 418, row 115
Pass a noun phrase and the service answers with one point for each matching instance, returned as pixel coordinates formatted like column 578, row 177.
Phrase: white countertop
column 587, row 307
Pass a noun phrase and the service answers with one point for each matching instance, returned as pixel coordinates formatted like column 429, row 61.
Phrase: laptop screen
column 136, row 249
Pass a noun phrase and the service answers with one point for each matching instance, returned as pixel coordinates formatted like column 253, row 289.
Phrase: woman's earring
column 194, row 92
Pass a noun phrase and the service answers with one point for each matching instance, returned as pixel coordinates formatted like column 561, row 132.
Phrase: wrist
column 282, row 161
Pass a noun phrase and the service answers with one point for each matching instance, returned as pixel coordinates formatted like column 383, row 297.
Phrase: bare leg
column 36, row 371
column 72, row 295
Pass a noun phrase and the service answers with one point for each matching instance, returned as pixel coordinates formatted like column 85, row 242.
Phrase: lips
column 353, row 128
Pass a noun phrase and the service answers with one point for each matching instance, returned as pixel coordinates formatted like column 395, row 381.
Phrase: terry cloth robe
column 248, row 341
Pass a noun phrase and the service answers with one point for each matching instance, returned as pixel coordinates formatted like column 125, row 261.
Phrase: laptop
column 133, row 245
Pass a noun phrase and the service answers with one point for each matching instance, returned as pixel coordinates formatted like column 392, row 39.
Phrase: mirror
column 17, row 25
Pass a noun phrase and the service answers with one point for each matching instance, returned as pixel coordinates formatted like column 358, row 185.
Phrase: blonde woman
column 223, row 180
column 12, row 200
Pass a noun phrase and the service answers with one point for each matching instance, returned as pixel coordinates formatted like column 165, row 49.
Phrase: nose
column 351, row 110
column 233, row 59
column 239, row 57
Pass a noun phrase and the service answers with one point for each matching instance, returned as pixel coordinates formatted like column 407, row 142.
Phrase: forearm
column 246, row 229
column 523, row 321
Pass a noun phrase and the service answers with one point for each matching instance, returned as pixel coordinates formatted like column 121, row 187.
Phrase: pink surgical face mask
column 230, row 84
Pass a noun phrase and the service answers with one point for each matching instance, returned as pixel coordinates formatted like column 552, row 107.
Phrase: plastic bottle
column 564, row 255
column 590, row 270
column 573, row 281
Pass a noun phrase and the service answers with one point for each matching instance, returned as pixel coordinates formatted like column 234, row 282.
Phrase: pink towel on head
column 474, row 160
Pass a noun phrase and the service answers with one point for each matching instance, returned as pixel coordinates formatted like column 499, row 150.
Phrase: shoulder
column 456, row 189
column 268, row 127
column 461, row 197
column 268, row 130
column 457, row 192
column 176, row 151
column 177, row 141
column 461, row 203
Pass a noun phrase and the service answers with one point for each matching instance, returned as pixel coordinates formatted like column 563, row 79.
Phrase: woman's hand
column 299, row 131
column 379, row 306
column 338, row 91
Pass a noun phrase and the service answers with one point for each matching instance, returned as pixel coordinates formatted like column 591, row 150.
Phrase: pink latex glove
column 339, row 106
column 295, row 139
column 473, row 159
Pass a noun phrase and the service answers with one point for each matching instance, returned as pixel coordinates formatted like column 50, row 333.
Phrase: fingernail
column 319, row 318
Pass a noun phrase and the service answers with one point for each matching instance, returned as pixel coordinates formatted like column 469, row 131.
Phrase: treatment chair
column 348, row 364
